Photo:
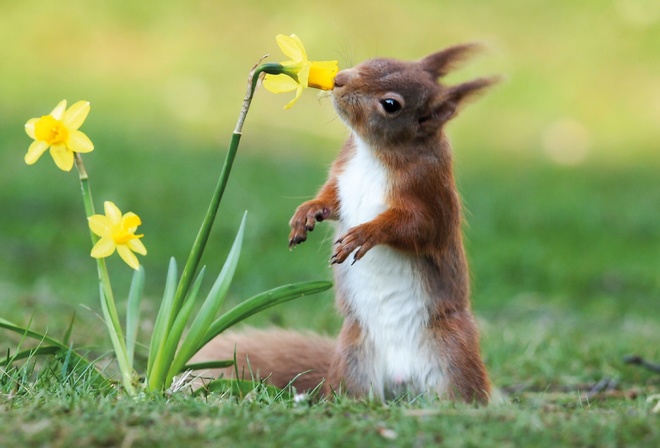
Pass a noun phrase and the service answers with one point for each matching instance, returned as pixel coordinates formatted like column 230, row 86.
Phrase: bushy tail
column 278, row 355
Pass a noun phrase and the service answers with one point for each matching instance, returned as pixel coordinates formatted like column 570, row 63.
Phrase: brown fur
column 423, row 219
column 276, row 354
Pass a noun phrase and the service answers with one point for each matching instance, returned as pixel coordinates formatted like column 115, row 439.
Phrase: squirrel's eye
column 391, row 106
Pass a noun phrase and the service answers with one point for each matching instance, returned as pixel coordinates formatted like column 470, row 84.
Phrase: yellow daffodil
column 59, row 132
column 117, row 231
column 300, row 73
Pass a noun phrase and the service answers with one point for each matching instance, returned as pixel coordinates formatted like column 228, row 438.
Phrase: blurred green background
column 558, row 165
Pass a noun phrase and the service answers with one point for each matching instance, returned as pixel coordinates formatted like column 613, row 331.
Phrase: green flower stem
column 107, row 297
column 197, row 250
column 164, row 357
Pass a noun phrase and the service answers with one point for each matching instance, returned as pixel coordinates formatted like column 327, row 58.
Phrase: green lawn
column 558, row 168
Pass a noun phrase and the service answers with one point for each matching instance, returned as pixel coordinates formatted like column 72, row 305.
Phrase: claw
column 296, row 239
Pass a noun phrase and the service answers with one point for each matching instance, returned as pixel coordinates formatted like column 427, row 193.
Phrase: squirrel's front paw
column 356, row 238
column 304, row 220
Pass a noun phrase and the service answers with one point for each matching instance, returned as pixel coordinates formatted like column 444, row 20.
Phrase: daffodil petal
column 137, row 246
column 292, row 47
column 303, row 74
column 128, row 256
column 103, row 248
column 112, row 212
column 58, row 112
column 36, row 150
column 62, row 156
column 29, row 127
column 298, row 94
column 79, row 142
column 75, row 116
column 99, row 224
column 279, row 83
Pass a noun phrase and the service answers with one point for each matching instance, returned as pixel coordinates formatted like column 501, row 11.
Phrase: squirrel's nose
column 343, row 77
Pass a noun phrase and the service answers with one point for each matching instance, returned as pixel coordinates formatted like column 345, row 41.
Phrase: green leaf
column 133, row 312
column 174, row 338
column 162, row 319
column 174, row 335
column 209, row 308
column 259, row 303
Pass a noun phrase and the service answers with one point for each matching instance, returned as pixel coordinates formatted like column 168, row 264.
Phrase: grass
column 564, row 258
column 60, row 415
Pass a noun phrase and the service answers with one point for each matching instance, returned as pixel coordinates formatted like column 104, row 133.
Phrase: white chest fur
column 384, row 290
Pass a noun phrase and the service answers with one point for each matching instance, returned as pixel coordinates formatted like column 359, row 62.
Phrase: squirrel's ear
column 448, row 103
column 442, row 62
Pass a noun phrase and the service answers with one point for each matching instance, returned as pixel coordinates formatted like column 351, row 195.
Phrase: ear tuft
column 470, row 90
column 447, row 105
column 444, row 61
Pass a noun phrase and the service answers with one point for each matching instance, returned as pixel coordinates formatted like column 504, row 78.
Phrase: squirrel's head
column 386, row 101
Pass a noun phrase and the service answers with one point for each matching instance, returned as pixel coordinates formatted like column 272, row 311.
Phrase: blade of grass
column 30, row 333
column 69, row 330
column 65, row 362
column 208, row 365
column 61, row 348
column 37, row 351
column 237, row 388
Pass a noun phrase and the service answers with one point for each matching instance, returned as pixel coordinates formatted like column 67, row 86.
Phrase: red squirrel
column 401, row 276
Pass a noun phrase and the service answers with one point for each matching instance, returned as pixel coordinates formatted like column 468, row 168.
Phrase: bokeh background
column 558, row 165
